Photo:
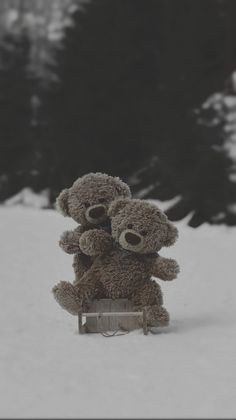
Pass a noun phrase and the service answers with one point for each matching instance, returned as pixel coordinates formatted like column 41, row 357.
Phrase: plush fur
column 139, row 230
column 87, row 202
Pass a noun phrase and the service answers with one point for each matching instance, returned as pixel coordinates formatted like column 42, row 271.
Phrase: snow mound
column 28, row 198
column 47, row 370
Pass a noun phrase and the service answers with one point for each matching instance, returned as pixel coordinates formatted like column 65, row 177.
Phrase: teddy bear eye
column 143, row 232
column 102, row 200
column 130, row 226
column 86, row 204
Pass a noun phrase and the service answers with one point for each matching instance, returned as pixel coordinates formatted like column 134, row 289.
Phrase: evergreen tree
column 16, row 132
column 103, row 108
column 130, row 77
column 195, row 63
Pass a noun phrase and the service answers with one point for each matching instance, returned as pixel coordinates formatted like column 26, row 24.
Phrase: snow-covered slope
column 48, row 370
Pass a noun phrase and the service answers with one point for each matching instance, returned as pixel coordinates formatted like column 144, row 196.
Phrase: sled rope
column 115, row 333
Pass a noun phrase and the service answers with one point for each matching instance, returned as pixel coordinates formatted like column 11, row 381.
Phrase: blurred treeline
column 142, row 89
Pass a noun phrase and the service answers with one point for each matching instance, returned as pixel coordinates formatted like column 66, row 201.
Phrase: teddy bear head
column 140, row 227
column 88, row 199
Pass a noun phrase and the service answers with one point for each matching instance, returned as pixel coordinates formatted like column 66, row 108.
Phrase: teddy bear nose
column 132, row 239
column 96, row 212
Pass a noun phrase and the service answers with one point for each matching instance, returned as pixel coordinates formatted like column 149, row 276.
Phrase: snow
column 224, row 107
column 214, row 101
column 232, row 176
column 28, row 198
column 48, row 370
column 232, row 208
column 230, row 102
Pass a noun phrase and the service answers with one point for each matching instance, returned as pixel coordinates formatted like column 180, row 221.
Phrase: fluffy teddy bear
column 139, row 230
column 87, row 202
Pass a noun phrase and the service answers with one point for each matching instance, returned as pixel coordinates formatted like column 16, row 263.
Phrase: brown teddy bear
column 87, row 202
column 139, row 230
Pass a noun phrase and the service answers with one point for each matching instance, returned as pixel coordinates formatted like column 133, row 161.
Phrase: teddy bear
column 139, row 230
column 87, row 202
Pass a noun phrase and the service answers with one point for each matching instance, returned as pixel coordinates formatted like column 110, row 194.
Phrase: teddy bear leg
column 74, row 298
column 157, row 316
column 149, row 294
column 149, row 297
column 66, row 295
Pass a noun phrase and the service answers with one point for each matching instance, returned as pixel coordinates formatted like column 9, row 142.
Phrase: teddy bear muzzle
column 97, row 213
column 131, row 240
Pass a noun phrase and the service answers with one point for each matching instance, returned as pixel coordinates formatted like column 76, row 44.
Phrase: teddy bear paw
column 157, row 316
column 171, row 269
column 69, row 242
column 66, row 295
column 95, row 242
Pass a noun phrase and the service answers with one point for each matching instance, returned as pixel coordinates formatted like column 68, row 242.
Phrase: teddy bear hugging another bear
column 115, row 247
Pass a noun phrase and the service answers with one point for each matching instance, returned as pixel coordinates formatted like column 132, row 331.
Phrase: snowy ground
column 48, row 370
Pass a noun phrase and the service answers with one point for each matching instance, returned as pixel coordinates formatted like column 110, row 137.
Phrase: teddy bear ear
column 171, row 235
column 117, row 205
column 62, row 202
column 122, row 188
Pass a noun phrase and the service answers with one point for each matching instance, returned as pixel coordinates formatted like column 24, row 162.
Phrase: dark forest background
column 142, row 89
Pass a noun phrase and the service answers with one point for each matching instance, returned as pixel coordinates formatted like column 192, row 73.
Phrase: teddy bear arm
column 148, row 294
column 165, row 269
column 95, row 242
column 69, row 240
column 81, row 264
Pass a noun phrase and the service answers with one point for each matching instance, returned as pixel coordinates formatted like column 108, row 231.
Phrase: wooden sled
column 112, row 317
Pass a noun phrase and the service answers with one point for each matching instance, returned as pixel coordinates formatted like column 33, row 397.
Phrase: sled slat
column 99, row 314
column 111, row 315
